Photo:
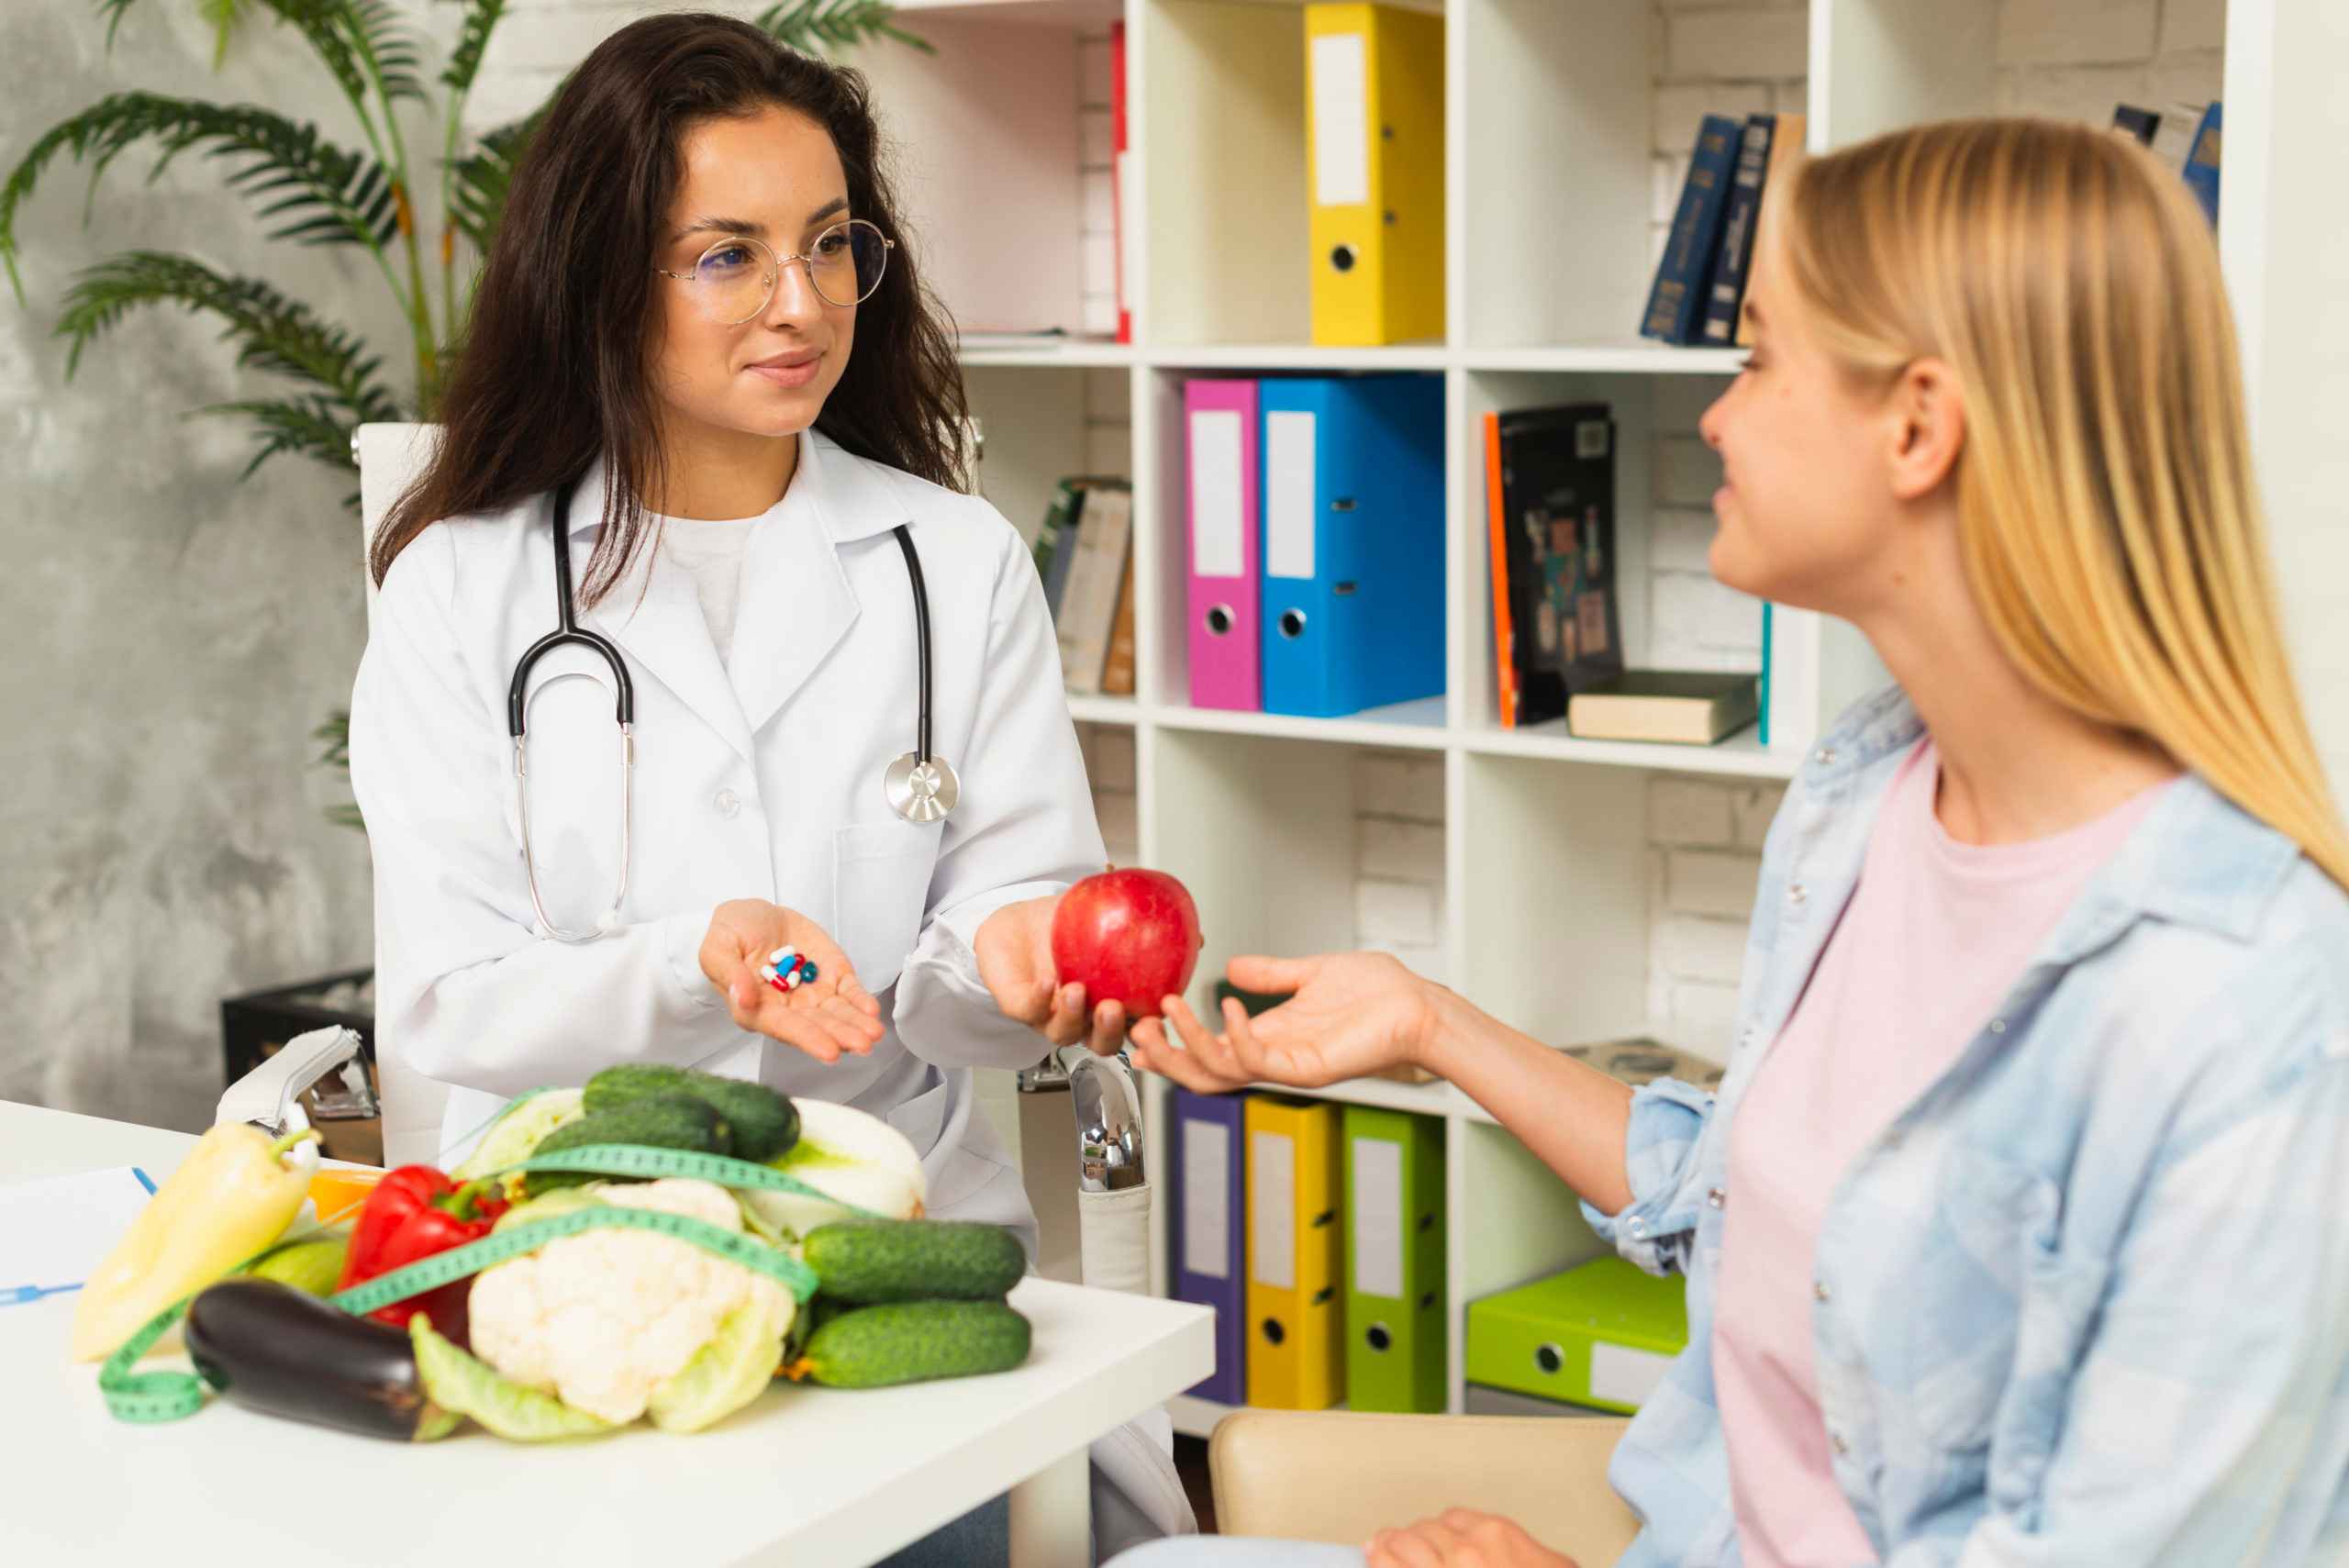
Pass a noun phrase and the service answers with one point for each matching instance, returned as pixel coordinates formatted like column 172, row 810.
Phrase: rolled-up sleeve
column 1653, row 1230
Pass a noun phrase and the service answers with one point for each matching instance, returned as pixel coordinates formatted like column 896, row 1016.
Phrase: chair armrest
column 1338, row 1476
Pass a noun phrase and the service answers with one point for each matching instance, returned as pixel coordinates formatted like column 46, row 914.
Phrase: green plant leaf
column 379, row 32
column 817, row 27
column 273, row 331
column 224, row 16
column 310, row 425
column 334, row 754
column 482, row 18
column 330, row 196
column 484, row 178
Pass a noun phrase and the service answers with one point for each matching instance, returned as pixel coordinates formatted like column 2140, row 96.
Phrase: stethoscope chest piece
column 921, row 790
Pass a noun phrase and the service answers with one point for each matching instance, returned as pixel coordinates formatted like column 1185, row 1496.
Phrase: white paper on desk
column 56, row 1229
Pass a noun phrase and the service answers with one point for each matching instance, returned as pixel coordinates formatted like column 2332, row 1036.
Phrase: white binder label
column 1341, row 120
column 1288, row 494
column 1378, row 1239
column 1272, row 1209
column 1621, row 1375
column 1216, row 515
column 1207, row 1194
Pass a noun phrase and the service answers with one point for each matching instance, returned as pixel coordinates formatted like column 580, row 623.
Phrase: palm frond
column 320, row 194
column 816, row 27
column 273, row 332
column 485, row 177
column 482, row 18
column 224, row 16
column 334, row 754
column 378, row 32
column 309, row 424
column 321, row 24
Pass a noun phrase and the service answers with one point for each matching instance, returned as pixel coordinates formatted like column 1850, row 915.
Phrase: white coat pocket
column 880, row 889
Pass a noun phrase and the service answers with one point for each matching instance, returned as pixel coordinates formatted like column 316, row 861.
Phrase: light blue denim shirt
column 2086, row 1300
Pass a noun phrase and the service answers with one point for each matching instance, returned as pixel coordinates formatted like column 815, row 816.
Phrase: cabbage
column 515, row 1135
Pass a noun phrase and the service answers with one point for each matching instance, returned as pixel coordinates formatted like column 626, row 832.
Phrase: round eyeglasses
column 736, row 277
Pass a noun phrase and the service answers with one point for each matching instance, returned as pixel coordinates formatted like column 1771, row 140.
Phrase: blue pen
column 16, row 1295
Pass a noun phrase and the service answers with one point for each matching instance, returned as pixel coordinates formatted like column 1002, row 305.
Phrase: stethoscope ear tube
column 517, row 699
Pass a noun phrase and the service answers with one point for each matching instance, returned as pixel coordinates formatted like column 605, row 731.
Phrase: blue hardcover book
column 1353, row 558
column 1726, row 291
column 2202, row 163
column 1674, row 312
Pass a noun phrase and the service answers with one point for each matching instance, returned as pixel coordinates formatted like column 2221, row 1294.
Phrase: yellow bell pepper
column 234, row 1194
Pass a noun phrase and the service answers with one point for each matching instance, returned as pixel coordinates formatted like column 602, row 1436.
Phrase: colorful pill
column 807, row 970
column 782, row 955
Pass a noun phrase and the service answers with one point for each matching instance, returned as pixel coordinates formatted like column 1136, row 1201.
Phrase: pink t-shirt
column 1933, row 939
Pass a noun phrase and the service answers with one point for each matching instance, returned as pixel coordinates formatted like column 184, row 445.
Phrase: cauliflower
column 618, row 1322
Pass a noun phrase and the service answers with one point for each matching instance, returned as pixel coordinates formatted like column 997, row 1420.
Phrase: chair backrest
column 1337, row 1476
column 390, row 456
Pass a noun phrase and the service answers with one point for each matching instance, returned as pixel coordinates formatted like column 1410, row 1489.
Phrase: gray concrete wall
column 168, row 636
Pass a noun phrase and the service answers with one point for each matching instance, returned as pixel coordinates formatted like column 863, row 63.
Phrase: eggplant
column 272, row 1347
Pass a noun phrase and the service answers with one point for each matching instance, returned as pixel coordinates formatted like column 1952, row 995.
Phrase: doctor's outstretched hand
column 829, row 1014
column 1015, row 954
column 1347, row 1014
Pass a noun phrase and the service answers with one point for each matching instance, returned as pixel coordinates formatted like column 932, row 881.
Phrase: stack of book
column 1738, row 173
column 1085, row 556
column 1557, row 629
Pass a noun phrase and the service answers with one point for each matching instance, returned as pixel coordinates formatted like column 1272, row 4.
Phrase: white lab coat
column 760, row 778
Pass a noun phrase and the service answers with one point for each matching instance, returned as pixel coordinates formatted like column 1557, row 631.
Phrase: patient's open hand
column 1461, row 1539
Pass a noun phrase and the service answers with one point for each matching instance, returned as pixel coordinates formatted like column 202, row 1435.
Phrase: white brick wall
column 1096, row 143
column 1398, row 857
column 1109, row 763
column 1705, row 839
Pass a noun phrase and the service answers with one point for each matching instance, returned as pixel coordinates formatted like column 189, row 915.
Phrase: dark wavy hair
column 554, row 368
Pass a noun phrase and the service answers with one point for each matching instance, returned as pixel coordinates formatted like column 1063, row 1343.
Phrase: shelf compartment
column 1554, row 897
column 1225, row 110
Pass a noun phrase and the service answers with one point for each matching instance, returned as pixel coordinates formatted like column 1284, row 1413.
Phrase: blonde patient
column 2013, row 1235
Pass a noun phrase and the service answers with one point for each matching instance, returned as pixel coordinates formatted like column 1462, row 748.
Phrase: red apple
column 1128, row 936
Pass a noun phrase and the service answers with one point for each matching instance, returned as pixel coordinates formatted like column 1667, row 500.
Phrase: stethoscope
column 920, row 786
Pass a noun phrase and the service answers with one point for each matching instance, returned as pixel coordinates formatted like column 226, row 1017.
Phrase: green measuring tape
column 156, row 1397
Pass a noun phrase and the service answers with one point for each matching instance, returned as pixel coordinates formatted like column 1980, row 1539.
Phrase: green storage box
column 1600, row 1334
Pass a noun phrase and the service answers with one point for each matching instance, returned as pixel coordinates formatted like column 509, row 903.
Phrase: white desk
column 808, row 1476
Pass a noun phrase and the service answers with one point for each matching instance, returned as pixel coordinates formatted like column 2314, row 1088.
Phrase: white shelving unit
column 1550, row 190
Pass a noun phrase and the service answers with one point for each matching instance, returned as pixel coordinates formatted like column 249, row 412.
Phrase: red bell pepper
column 415, row 1212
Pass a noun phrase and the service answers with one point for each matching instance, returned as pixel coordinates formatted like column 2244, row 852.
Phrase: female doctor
column 703, row 366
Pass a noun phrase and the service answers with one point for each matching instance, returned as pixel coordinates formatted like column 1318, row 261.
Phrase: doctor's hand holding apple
column 1120, row 941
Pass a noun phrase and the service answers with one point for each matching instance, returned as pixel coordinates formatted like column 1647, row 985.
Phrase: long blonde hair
column 2108, row 519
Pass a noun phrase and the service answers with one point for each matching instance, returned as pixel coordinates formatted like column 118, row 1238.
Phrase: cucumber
column 872, row 1262
column 664, row 1121
column 913, row 1341
column 765, row 1123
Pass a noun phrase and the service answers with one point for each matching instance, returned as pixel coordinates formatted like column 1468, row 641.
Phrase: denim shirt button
column 1795, row 894
column 1997, row 1026
column 1717, row 1198
column 1825, row 756
column 1843, row 1445
column 1819, row 1288
column 1638, row 1228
